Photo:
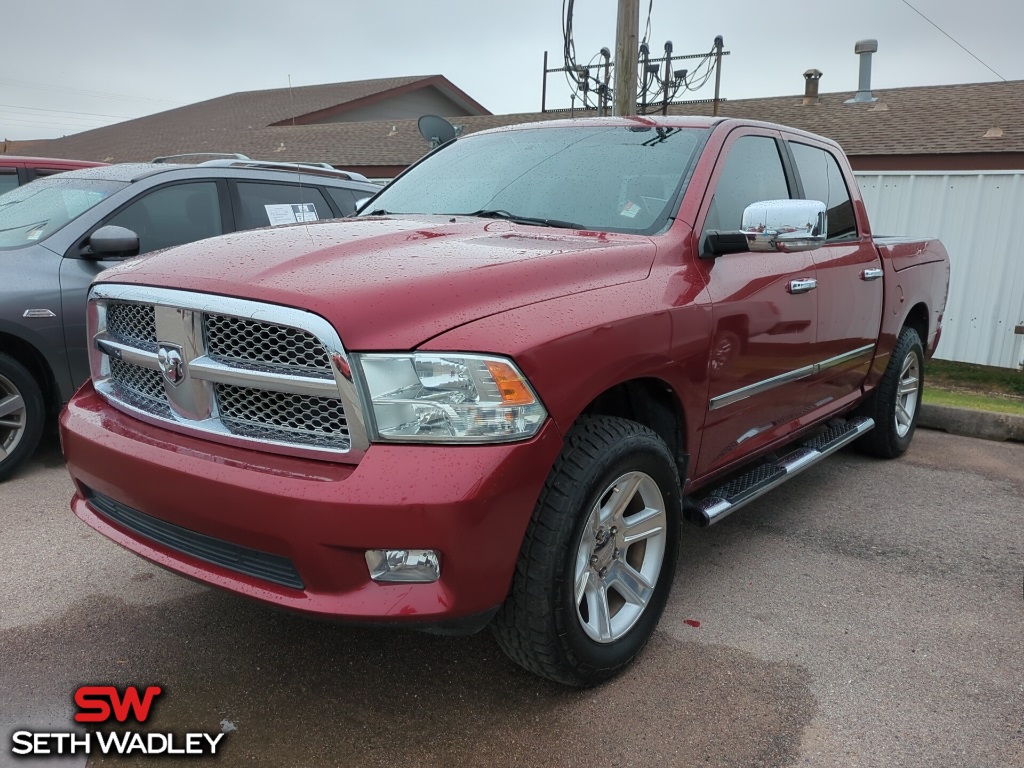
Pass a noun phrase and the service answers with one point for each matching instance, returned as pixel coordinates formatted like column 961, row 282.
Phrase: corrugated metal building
column 977, row 216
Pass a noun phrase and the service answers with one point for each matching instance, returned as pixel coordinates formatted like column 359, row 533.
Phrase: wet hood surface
column 390, row 283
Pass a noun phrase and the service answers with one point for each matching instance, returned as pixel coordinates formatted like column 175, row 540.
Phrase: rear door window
column 38, row 173
column 823, row 181
column 266, row 204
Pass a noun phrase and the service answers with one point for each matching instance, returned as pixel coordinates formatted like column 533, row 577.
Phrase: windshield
column 35, row 211
column 614, row 178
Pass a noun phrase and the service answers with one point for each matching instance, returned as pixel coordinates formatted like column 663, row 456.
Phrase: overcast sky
column 72, row 65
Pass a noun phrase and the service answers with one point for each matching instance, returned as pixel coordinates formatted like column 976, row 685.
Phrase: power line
column 647, row 27
column 17, row 117
column 71, row 126
column 65, row 111
column 986, row 66
column 68, row 127
column 101, row 94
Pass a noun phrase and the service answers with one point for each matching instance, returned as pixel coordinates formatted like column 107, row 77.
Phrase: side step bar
column 763, row 477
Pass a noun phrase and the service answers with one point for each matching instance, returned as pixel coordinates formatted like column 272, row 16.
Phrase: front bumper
column 170, row 498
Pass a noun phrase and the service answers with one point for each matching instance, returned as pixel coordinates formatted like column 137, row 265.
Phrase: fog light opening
column 421, row 566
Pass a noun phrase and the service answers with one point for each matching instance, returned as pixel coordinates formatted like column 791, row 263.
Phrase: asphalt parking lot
column 866, row 613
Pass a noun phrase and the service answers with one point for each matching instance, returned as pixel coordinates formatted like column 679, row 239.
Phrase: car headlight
column 448, row 398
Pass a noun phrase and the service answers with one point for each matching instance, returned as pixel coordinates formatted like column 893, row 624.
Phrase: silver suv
column 58, row 233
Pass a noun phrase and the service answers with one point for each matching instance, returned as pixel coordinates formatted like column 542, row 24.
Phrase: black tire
column 546, row 624
column 22, row 414
column 896, row 402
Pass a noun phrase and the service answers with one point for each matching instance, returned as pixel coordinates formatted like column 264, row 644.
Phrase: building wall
column 977, row 217
column 408, row 106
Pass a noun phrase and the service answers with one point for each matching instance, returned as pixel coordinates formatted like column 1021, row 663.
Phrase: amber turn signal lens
column 512, row 387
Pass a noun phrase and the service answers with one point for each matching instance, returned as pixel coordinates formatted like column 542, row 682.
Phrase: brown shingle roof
column 929, row 120
column 904, row 121
column 218, row 125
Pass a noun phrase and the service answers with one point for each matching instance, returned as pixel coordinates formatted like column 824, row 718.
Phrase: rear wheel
column 597, row 562
column 21, row 414
column 896, row 402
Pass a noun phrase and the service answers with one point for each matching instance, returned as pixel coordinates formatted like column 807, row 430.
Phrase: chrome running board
column 741, row 490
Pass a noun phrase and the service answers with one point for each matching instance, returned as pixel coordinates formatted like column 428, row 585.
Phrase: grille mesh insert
column 133, row 324
column 271, row 415
column 141, row 387
column 251, row 343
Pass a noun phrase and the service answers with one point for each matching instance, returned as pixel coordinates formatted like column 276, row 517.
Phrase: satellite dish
column 437, row 130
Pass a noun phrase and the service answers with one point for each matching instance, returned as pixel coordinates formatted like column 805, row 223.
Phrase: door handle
column 870, row 274
column 802, row 285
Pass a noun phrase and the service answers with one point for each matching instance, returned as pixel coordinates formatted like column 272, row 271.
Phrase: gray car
column 58, row 233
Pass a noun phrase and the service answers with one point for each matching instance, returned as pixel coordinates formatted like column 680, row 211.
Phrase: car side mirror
column 111, row 242
column 360, row 203
column 785, row 225
column 770, row 226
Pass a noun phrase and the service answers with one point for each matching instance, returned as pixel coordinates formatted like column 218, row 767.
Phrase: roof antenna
column 298, row 167
column 291, row 100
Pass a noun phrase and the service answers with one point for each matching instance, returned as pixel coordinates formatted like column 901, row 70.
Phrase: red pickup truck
column 493, row 397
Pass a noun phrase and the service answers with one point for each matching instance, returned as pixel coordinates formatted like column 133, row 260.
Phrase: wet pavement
column 866, row 613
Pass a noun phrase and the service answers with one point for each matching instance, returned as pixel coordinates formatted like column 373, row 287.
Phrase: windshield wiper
column 378, row 212
column 499, row 213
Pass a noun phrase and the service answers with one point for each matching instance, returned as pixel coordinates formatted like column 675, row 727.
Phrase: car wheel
column 21, row 414
column 896, row 401
column 598, row 558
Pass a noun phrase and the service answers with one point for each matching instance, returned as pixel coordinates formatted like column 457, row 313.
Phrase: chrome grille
column 133, row 324
column 141, row 387
column 250, row 343
column 255, row 374
column 282, row 416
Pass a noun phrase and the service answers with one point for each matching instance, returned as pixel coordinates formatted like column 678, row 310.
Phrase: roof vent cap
column 864, row 49
column 811, row 78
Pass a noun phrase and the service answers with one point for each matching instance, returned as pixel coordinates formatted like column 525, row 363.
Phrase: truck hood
column 390, row 283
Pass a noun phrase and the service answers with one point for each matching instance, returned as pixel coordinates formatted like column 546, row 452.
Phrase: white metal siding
column 978, row 218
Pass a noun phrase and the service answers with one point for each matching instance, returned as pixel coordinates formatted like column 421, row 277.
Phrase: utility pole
column 627, row 32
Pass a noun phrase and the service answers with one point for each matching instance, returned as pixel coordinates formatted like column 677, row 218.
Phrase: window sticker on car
column 631, row 209
column 291, row 214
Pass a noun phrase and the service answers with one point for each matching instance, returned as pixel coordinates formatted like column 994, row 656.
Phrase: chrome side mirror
column 785, row 225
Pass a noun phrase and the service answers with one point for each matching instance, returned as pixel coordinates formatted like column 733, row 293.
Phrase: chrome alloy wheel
column 619, row 557
column 907, row 394
column 12, row 417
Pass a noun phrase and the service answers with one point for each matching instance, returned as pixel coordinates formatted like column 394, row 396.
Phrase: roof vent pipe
column 864, row 48
column 811, row 76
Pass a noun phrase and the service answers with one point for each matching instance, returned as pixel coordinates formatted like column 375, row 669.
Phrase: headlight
column 440, row 398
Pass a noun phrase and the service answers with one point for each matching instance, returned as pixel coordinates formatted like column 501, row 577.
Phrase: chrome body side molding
column 763, row 386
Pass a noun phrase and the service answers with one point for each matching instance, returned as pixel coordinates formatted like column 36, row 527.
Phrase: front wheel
column 896, row 401
column 600, row 552
column 22, row 414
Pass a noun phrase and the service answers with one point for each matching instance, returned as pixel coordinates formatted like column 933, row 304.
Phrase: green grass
column 972, row 400
column 944, row 374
